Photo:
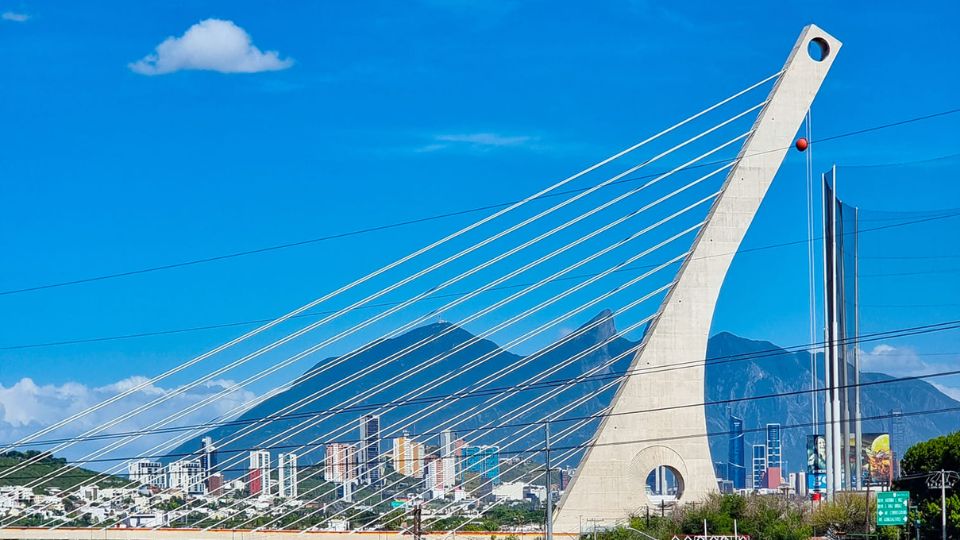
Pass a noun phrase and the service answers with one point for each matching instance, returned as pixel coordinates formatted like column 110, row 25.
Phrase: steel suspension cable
column 326, row 319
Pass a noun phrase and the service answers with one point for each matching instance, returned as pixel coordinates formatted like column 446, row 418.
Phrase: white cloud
column 896, row 361
column 477, row 141
column 26, row 407
column 950, row 391
column 213, row 45
column 15, row 17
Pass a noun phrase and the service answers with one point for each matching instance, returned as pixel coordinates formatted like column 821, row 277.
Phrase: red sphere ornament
column 802, row 144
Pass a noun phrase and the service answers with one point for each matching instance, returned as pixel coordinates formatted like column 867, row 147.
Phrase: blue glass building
column 483, row 460
column 774, row 446
column 736, row 466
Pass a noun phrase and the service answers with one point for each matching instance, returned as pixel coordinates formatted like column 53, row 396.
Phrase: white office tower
column 208, row 456
column 260, row 482
column 187, row 475
column 448, row 456
column 147, row 473
column 287, row 470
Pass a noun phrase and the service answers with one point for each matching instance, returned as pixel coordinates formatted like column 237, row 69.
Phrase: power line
column 715, row 360
column 306, row 314
column 942, row 410
column 523, row 387
column 356, row 232
column 913, row 273
column 900, row 163
column 446, row 295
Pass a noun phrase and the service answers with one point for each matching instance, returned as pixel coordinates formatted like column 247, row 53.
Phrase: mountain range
column 450, row 359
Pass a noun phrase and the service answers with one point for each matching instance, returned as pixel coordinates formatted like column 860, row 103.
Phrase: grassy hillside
column 48, row 464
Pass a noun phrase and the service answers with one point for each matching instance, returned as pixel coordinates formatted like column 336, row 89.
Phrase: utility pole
column 867, row 512
column 549, row 524
column 943, row 503
column 417, row 522
column 941, row 479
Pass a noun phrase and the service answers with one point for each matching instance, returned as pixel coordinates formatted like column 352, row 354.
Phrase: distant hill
column 451, row 350
column 48, row 465
column 769, row 369
column 773, row 371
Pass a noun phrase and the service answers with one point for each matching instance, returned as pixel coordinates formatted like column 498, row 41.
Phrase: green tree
column 920, row 460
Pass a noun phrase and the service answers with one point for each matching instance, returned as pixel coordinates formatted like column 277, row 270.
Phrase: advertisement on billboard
column 876, row 459
column 816, row 463
column 816, row 454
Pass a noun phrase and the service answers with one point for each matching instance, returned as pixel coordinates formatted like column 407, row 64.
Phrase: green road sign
column 892, row 507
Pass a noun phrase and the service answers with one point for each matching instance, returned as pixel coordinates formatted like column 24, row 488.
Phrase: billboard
column 816, row 463
column 877, row 459
column 817, row 483
column 816, row 454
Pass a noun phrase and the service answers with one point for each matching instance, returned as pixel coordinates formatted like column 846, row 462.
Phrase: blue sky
column 355, row 115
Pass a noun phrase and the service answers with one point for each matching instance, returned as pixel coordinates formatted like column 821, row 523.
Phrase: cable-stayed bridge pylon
column 610, row 482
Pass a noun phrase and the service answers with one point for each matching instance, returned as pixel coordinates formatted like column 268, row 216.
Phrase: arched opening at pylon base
column 664, row 484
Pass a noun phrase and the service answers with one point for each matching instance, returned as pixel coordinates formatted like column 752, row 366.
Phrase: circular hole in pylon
column 818, row 49
column 664, row 483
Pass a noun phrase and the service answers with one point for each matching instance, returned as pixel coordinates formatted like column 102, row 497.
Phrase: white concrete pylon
column 610, row 482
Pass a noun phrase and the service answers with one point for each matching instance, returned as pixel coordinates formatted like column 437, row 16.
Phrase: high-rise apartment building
column 147, row 473
column 208, row 460
column 370, row 449
column 340, row 463
column 774, row 456
column 458, row 446
column 798, row 483
column 287, row 475
column 759, row 466
column 187, row 475
column 736, row 464
column 774, row 446
column 434, row 479
column 448, row 455
column 408, row 456
column 259, row 476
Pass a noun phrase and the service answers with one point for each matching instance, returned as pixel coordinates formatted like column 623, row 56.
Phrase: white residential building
column 259, row 477
column 147, row 473
column 511, row 491
column 187, row 475
column 89, row 493
column 434, row 479
column 340, row 462
column 287, row 471
column 448, row 451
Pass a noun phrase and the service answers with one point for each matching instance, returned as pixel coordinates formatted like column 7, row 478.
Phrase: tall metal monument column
column 610, row 482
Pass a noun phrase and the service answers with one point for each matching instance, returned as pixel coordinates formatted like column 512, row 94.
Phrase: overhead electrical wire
column 403, row 281
column 710, row 360
column 660, row 155
column 887, row 416
column 434, row 217
column 558, row 382
column 754, row 249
